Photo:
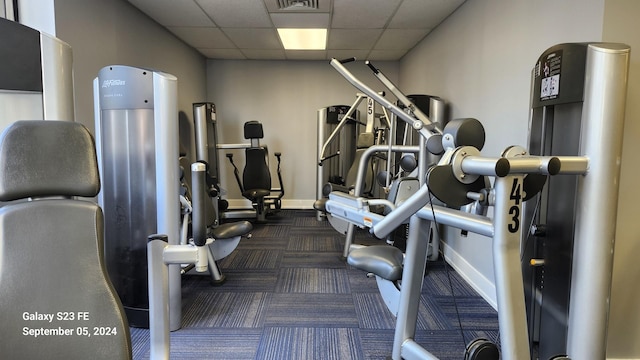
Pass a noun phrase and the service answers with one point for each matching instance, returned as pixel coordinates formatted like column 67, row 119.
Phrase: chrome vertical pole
column 601, row 142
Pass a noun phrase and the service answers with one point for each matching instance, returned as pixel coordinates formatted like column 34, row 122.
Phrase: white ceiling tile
column 174, row 12
column 300, row 20
column 237, row 13
column 241, row 29
column 386, row 55
column 423, row 13
column 362, row 14
column 229, row 54
column 257, row 54
column 353, row 38
column 397, row 39
column 306, row 55
column 254, row 38
column 202, row 37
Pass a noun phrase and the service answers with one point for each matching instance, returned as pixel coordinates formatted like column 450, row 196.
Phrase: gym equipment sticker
column 62, row 323
column 514, row 210
column 550, row 72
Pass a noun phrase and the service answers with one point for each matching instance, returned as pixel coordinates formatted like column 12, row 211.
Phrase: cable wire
column 446, row 267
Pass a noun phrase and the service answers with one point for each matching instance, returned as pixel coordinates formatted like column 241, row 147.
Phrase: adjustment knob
column 536, row 262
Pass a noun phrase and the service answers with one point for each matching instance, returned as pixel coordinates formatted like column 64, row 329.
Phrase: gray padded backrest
column 56, row 301
column 35, row 164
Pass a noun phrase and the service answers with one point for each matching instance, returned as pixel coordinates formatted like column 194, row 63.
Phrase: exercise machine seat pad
column 57, row 301
column 42, row 168
column 231, row 230
column 381, row 260
column 256, row 177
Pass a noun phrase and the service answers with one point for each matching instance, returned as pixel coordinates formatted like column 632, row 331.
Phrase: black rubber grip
column 373, row 68
column 348, row 60
column 502, row 167
column 554, row 166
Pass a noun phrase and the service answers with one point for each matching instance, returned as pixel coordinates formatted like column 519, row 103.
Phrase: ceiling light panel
column 303, row 39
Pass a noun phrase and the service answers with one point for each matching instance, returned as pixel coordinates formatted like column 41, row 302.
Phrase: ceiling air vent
column 298, row 5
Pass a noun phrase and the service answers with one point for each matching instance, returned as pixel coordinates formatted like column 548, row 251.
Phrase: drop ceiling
column 246, row 29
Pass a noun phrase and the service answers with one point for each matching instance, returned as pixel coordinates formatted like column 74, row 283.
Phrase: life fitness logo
column 110, row 83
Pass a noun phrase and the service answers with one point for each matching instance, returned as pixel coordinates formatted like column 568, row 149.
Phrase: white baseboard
column 476, row 280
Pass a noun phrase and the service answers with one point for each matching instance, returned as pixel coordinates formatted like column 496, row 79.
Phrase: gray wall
column 480, row 60
column 621, row 25
column 114, row 32
column 285, row 97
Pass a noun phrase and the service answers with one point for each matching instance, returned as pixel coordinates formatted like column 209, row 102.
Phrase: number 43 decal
column 514, row 210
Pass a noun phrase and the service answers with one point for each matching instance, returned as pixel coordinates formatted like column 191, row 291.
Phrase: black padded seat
column 230, row 230
column 382, row 260
column 256, row 177
column 57, row 301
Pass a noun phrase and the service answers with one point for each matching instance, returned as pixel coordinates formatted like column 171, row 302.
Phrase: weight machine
column 136, row 129
column 577, row 109
column 404, row 187
column 459, row 179
column 339, row 123
column 136, row 126
column 257, row 178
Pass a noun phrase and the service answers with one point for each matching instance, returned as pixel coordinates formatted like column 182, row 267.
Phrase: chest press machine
column 255, row 182
column 517, row 177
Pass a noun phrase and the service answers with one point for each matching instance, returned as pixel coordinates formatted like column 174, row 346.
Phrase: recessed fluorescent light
column 303, row 39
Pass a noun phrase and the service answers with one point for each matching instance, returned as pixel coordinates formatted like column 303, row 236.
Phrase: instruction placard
column 550, row 70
